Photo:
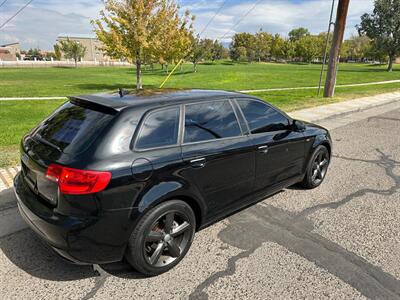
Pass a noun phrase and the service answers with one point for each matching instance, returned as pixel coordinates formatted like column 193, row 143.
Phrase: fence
column 61, row 64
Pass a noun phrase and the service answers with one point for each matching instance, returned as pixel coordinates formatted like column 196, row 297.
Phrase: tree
column 72, row 50
column 143, row 28
column 204, row 49
column 383, row 27
column 288, row 49
column 35, row 53
column 308, row 48
column 262, row 42
column 57, row 51
column 298, row 33
column 217, row 51
column 357, row 47
column 245, row 40
column 241, row 53
column 278, row 47
column 174, row 34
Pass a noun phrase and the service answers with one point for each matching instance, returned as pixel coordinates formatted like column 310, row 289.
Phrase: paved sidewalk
column 346, row 107
column 32, row 98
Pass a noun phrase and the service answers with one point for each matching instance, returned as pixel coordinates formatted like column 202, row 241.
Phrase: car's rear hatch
column 69, row 131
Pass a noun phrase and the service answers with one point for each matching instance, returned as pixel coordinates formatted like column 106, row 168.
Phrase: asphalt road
column 341, row 240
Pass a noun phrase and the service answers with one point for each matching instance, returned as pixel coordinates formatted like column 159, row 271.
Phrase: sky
column 42, row 21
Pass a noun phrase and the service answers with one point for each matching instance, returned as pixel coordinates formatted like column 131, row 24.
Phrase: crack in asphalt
column 266, row 223
column 199, row 293
column 386, row 162
column 98, row 282
column 383, row 118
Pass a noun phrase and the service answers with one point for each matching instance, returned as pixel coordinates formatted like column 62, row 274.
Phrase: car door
column 220, row 159
column 279, row 150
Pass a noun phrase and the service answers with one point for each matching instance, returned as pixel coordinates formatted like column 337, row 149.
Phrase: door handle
column 198, row 162
column 263, row 149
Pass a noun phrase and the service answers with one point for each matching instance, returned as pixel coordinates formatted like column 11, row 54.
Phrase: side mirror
column 298, row 125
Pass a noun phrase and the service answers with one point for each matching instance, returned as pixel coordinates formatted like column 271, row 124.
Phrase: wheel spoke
column 314, row 176
column 157, row 253
column 323, row 163
column 180, row 229
column 173, row 249
column 319, row 174
column 154, row 236
column 319, row 158
column 169, row 219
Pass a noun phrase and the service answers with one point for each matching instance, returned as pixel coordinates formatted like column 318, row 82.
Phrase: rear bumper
column 81, row 240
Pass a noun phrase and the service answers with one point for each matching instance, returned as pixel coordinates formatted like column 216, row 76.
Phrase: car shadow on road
column 26, row 251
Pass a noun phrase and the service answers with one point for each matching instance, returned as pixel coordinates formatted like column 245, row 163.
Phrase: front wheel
column 162, row 238
column 317, row 168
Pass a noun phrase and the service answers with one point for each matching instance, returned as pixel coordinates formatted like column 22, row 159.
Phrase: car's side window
column 262, row 118
column 159, row 129
column 209, row 121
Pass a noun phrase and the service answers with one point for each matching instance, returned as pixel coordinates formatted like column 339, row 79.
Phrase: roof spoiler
column 95, row 103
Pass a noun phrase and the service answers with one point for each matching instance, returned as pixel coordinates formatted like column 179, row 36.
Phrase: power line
column 16, row 14
column 241, row 19
column 4, row 2
column 230, row 29
column 212, row 18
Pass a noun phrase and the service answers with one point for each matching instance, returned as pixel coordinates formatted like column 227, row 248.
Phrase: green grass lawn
column 18, row 117
column 223, row 75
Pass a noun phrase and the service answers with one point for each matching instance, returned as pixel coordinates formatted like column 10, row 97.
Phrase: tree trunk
column 138, row 74
column 195, row 67
column 390, row 66
column 76, row 63
column 166, row 68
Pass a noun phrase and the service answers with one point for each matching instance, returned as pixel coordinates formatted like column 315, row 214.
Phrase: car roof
column 153, row 97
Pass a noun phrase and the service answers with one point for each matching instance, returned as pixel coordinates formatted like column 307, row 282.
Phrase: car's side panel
column 227, row 175
column 283, row 159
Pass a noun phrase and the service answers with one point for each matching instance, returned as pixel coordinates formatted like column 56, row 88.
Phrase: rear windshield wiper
column 42, row 140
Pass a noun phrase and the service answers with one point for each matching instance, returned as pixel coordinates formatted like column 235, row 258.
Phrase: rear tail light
column 78, row 182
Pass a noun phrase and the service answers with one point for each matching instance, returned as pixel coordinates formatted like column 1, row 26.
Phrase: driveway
column 341, row 240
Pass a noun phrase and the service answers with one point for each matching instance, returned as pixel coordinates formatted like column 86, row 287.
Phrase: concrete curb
column 11, row 221
column 335, row 110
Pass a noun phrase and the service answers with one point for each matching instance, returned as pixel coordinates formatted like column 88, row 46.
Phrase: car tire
column 155, row 246
column 317, row 168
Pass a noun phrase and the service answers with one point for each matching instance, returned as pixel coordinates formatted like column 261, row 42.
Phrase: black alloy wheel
column 167, row 239
column 161, row 238
column 320, row 167
column 317, row 168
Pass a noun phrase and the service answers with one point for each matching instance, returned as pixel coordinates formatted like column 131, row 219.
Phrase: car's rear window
column 71, row 127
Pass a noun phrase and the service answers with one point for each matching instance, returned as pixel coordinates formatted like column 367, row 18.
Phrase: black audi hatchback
column 113, row 175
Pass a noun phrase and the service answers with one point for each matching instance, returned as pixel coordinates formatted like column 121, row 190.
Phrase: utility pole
column 326, row 48
column 338, row 35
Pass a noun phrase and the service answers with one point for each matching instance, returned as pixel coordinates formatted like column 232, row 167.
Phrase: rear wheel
column 317, row 168
column 162, row 238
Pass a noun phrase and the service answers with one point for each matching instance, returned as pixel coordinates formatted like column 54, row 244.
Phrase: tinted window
column 261, row 117
column 159, row 129
column 72, row 127
column 209, row 121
